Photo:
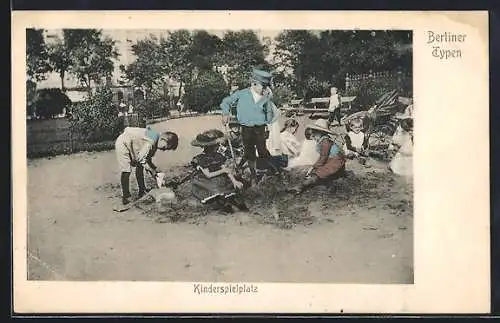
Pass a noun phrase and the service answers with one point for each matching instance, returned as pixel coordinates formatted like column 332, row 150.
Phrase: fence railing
column 394, row 80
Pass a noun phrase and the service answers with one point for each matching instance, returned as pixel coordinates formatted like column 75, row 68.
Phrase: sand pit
column 357, row 229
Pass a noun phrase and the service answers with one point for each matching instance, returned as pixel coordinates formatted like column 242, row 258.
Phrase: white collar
column 256, row 96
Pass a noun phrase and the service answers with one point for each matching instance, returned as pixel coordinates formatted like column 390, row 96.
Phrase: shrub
column 205, row 92
column 282, row 95
column 316, row 88
column 157, row 107
column 95, row 120
column 48, row 103
column 30, row 97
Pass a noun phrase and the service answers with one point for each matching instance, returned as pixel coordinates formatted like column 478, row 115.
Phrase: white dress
column 402, row 163
column 273, row 143
column 357, row 139
column 290, row 145
column 308, row 155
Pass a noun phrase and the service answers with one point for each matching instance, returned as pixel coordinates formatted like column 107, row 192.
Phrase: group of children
column 218, row 169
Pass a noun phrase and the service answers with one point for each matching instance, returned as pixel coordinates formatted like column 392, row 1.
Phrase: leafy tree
column 149, row 68
column 297, row 51
column 36, row 55
column 176, row 50
column 206, row 91
column 60, row 59
column 305, row 60
column 242, row 50
column 91, row 55
column 206, row 50
column 149, row 71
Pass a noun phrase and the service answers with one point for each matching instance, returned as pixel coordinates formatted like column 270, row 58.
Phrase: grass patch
column 53, row 150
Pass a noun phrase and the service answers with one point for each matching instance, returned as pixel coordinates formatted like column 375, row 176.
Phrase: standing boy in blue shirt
column 254, row 110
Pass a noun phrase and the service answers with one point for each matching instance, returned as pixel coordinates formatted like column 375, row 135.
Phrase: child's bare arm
column 210, row 174
column 144, row 158
column 236, row 183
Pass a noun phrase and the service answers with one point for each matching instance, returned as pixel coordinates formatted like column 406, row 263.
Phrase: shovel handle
column 226, row 127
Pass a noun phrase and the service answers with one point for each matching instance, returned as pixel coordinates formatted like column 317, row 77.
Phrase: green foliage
column 315, row 88
column 306, row 63
column 30, row 97
column 206, row 50
column 55, row 149
column 321, row 60
column 50, row 102
column 282, row 95
column 176, row 50
column 91, row 54
column 206, row 91
column 242, row 50
column 60, row 58
column 37, row 64
column 149, row 68
column 159, row 61
column 157, row 106
column 95, row 119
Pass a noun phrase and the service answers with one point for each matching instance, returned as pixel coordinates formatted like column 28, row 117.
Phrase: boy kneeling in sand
column 135, row 147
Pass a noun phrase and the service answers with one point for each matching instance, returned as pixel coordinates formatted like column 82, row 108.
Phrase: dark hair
column 172, row 139
column 210, row 148
column 307, row 133
column 407, row 124
column 290, row 123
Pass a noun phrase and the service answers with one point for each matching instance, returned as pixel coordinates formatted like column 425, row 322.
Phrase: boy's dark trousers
column 335, row 115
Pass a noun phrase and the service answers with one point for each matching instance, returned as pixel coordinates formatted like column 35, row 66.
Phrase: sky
column 124, row 39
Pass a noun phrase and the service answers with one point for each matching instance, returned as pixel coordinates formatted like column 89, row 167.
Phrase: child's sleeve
column 324, row 151
column 348, row 144
column 144, row 157
column 228, row 101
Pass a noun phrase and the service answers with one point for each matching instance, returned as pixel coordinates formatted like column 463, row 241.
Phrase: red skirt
column 332, row 166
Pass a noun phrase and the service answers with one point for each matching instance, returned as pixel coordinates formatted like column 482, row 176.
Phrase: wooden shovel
column 123, row 208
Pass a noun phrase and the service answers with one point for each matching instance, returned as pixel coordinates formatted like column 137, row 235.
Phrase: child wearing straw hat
column 331, row 161
column 213, row 179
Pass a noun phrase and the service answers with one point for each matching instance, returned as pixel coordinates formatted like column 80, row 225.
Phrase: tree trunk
column 180, row 92
column 61, row 74
column 87, row 85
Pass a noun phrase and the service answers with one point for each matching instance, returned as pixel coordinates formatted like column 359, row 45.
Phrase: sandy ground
column 359, row 229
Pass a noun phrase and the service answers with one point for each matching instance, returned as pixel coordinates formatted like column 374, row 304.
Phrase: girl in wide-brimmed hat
column 213, row 181
column 331, row 161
